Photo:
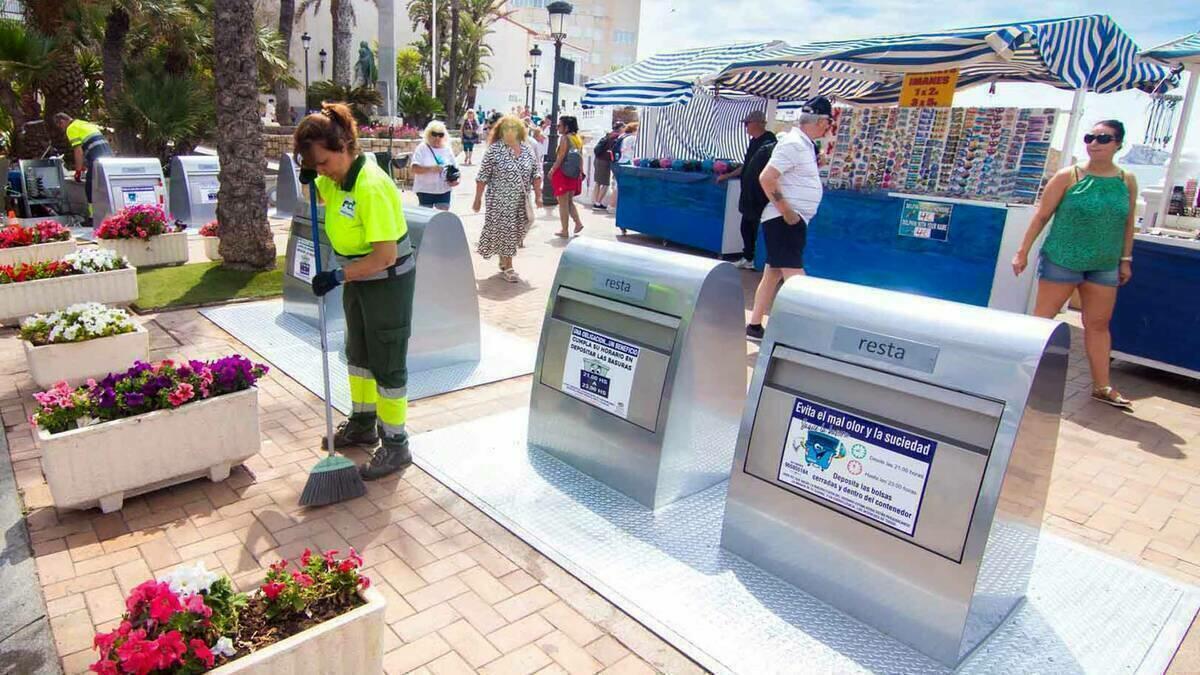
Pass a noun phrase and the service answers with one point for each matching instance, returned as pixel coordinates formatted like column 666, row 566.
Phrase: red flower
column 103, row 643
column 305, row 557
column 273, row 589
column 279, row 566
column 355, row 557
column 302, row 580
column 330, row 558
column 170, row 648
column 137, row 654
column 202, row 652
column 365, row 582
column 347, row 565
column 104, row 667
column 195, row 605
column 164, row 605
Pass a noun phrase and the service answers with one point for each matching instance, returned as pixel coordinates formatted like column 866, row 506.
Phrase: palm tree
column 287, row 19
column 161, row 14
column 455, row 65
column 63, row 84
column 24, row 64
column 246, row 239
column 342, row 13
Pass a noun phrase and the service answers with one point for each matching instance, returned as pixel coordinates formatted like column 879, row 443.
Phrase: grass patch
column 204, row 283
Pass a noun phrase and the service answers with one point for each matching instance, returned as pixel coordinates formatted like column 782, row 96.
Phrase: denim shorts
column 1048, row 271
column 433, row 198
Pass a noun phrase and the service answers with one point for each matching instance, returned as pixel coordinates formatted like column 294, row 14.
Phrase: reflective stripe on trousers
column 368, row 399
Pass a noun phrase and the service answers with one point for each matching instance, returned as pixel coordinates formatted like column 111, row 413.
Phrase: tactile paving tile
column 1086, row 612
column 294, row 347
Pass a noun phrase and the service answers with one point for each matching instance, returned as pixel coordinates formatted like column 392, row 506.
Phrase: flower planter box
column 75, row 362
column 162, row 249
column 118, row 287
column 36, row 253
column 211, row 244
column 350, row 644
column 104, row 463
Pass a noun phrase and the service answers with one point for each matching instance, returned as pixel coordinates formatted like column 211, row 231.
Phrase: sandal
column 510, row 275
column 1112, row 397
column 578, row 228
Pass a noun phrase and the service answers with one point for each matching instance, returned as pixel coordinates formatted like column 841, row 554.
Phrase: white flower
column 186, row 580
column 224, row 647
column 83, row 321
column 93, row 260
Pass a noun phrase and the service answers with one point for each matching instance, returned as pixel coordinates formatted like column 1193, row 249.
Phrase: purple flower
column 134, row 400
column 107, row 398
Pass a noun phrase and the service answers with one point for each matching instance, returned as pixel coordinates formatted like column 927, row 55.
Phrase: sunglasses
column 1102, row 139
column 436, row 134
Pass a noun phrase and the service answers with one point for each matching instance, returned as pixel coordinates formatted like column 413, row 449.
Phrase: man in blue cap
column 793, row 185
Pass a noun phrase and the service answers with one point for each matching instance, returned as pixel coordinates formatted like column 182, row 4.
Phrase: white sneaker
column 744, row 264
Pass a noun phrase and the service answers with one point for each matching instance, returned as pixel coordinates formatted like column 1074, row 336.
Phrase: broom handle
column 316, row 237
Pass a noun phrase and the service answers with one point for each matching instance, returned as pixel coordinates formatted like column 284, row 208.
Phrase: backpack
column 754, row 198
column 604, row 147
column 572, row 166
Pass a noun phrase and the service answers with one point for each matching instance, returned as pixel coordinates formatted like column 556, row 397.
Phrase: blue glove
column 323, row 282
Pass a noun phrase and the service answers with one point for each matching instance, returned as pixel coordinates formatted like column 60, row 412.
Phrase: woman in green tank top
column 1089, row 246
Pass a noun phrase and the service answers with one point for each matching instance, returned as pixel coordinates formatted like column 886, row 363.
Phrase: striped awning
column 668, row 78
column 1089, row 52
column 1180, row 50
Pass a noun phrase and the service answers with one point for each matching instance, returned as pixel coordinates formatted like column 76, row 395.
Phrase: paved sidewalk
column 465, row 594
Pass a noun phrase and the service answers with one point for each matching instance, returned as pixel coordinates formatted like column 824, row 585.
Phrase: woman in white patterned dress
column 508, row 171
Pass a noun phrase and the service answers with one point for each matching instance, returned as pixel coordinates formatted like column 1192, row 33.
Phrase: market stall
column 893, row 173
column 1156, row 322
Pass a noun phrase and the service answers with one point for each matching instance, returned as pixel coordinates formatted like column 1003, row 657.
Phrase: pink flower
column 182, row 394
column 279, row 566
column 273, row 589
column 303, row 580
column 103, row 643
column 364, row 582
column 202, row 652
column 104, row 667
column 170, row 648
column 195, row 605
column 347, row 565
column 164, row 606
column 305, row 557
column 330, row 557
column 355, row 557
column 137, row 654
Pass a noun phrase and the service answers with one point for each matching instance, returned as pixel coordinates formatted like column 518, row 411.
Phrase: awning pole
column 1072, row 127
column 1160, row 218
column 772, row 106
column 814, row 79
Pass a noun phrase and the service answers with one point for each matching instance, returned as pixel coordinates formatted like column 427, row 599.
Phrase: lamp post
column 305, row 40
column 535, row 55
column 528, row 79
column 321, row 56
column 558, row 11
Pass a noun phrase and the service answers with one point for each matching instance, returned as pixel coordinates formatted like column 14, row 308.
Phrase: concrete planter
column 211, row 244
column 104, row 463
column 54, row 250
column 118, row 287
column 159, row 250
column 350, row 644
column 75, row 362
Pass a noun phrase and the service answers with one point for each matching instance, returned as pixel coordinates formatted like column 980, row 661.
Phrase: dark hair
column 333, row 127
column 61, row 117
column 569, row 123
column 1117, row 127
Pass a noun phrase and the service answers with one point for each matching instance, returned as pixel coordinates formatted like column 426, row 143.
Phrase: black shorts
column 785, row 243
column 431, row 199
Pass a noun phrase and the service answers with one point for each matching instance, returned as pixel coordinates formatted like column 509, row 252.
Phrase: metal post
column 814, row 79
column 527, row 95
column 1160, row 218
column 552, row 150
column 1072, row 127
column 772, row 109
column 307, row 109
column 533, row 97
column 387, row 54
column 433, row 50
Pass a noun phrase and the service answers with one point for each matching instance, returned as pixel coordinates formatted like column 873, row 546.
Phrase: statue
column 365, row 68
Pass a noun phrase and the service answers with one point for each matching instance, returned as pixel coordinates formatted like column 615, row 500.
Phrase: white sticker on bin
column 599, row 370
column 305, row 265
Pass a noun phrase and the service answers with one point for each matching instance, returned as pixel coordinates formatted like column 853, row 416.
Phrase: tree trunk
column 246, row 239
column 287, row 18
column 341, row 12
column 455, row 68
column 63, row 89
column 116, row 27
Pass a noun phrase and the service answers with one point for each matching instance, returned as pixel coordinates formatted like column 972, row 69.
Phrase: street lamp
column 528, row 79
column 305, row 40
column 558, row 11
column 321, row 56
column 535, row 55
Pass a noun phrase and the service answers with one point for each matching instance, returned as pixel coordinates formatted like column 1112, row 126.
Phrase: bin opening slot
column 901, row 456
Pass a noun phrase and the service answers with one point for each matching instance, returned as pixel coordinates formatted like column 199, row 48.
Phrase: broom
column 334, row 478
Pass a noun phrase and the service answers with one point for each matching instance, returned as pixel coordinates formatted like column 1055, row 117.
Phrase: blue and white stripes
column 666, row 79
column 708, row 127
column 1185, row 49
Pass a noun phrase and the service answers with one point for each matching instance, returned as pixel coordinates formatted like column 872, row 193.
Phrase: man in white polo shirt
column 793, row 187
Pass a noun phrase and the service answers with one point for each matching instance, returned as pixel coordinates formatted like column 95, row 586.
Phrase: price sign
column 928, row 90
column 925, row 220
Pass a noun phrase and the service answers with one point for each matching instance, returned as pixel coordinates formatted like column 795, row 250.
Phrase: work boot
column 391, row 456
column 351, row 433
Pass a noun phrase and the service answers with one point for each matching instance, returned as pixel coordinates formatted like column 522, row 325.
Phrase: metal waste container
column 641, row 369
column 121, row 182
column 894, row 457
column 445, row 320
column 290, row 199
column 195, row 182
column 42, row 186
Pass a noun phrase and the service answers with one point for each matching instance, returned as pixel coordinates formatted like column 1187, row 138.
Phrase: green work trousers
column 378, row 325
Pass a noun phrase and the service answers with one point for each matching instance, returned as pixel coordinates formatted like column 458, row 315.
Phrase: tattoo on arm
column 777, row 194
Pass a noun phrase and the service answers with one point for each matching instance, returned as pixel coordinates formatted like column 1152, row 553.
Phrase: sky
column 682, row 24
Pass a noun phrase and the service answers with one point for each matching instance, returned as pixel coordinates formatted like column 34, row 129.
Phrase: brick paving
column 464, row 594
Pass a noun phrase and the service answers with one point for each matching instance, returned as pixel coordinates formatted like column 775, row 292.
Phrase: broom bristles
column 333, row 479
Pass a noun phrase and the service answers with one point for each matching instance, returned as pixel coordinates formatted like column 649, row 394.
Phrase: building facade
column 605, row 30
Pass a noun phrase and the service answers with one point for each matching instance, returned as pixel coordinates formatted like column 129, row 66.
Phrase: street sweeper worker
column 88, row 144
column 373, row 258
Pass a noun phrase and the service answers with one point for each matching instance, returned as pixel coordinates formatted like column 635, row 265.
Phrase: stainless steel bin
column 195, row 182
column 445, row 320
column 290, row 198
column 641, row 372
column 894, row 457
column 120, row 182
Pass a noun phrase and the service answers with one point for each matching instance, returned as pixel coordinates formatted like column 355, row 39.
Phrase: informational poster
column 925, row 220
column 928, row 90
column 205, row 191
column 305, row 265
column 872, row 469
column 137, row 195
column 599, row 370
